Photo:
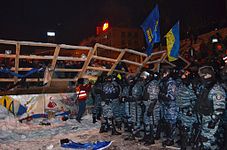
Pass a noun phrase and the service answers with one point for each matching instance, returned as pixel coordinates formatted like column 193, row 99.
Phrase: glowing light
column 50, row 33
column 105, row 26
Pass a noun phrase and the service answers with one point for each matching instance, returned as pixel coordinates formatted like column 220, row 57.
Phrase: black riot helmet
column 131, row 80
column 109, row 78
column 207, row 74
column 144, row 75
column 223, row 74
column 166, row 73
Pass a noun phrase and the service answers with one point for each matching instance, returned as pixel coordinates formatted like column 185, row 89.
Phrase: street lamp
column 51, row 36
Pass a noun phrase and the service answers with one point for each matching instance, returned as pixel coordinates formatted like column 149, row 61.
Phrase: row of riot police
column 186, row 108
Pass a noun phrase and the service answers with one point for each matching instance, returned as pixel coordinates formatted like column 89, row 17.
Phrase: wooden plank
column 27, row 79
column 17, row 61
column 27, row 43
column 10, row 42
column 131, row 62
column 75, row 47
column 67, row 70
column 117, row 61
column 7, row 56
column 171, row 64
column 6, row 80
column 108, row 47
column 50, row 57
column 40, row 44
column 136, row 52
column 53, row 64
column 104, row 58
column 36, row 57
column 97, row 68
column 158, row 60
column 20, row 69
column 71, row 58
column 63, row 80
column 187, row 62
column 56, row 69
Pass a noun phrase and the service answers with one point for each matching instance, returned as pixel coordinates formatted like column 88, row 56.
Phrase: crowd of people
column 185, row 108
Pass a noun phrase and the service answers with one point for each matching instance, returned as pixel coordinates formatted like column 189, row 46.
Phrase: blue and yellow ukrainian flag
column 151, row 29
column 173, row 42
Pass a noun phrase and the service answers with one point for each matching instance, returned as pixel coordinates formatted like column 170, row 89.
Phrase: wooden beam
column 75, row 47
column 10, row 42
column 7, row 56
column 97, row 68
column 50, row 57
column 131, row 62
column 53, row 64
column 104, row 58
column 27, row 80
column 171, row 64
column 136, row 52
column 36, row 57
column 117, row 61
column 17, row 61
column 67, row 70
column 187, row 62
column 107, row 47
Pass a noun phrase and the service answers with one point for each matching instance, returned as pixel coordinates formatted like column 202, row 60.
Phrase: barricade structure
column 15, row 53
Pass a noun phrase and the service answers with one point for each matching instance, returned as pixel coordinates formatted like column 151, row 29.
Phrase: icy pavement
column 32, row 136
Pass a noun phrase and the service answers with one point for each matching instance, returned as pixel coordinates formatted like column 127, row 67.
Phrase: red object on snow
column 51, row 104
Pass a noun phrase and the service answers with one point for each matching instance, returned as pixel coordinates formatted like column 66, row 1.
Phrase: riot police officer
column 98, row 97
column 210, row 106
column 223, row 76
column 136, row 92
column 167, row 98
column 150, row 99
column 186, row 99
column 112, row 92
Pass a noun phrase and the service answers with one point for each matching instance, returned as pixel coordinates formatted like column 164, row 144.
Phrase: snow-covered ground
column 32, row 136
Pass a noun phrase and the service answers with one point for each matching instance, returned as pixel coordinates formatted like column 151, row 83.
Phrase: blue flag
column 173, row 42
column 151, row 29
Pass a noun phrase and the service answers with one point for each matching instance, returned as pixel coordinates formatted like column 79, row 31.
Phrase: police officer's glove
column 94, row 120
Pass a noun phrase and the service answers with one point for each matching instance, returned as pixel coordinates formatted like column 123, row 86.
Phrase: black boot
column 114, row 131
column 103, row 128
column 143, row 139
column 144, row 136
column 168, row 142
column 149, row 140
column 131, row 137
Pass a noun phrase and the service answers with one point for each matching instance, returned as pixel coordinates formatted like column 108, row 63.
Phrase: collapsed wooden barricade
column 91, row 61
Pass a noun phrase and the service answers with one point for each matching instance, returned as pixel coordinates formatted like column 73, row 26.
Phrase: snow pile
column 4, row 113
column 33, row 136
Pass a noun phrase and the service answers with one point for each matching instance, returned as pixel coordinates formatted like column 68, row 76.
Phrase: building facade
column 131, row 38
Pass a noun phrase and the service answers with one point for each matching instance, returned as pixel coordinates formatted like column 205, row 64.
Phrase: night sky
column 74, row 20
